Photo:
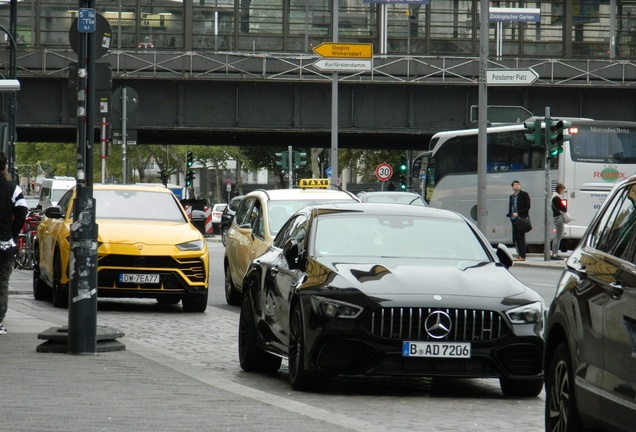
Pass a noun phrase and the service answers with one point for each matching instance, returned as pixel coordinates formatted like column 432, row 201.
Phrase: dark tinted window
column 616, row 230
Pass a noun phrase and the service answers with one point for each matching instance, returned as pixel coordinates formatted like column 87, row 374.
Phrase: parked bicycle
column 24, row 256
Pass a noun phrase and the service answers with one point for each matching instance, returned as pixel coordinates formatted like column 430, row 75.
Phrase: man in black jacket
column 13, row 211
column 518, row 206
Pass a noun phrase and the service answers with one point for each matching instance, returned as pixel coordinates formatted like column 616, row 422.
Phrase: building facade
column 565, row 29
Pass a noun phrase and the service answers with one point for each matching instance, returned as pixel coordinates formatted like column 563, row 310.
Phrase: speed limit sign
column 384, row 171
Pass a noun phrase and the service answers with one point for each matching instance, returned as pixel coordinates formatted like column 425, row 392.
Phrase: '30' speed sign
column 384, row 171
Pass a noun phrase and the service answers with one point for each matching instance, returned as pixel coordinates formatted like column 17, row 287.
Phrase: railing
column 289, row 67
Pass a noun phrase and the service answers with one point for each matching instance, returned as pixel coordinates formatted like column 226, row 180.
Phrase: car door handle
column 617, row 289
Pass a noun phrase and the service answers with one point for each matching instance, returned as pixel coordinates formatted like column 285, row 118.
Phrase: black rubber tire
column 251, row 357
column 195, row 302
column 224, row 235
column 59, row 291
column 300, row 378
column 561, row 412
column 232, row 297
column 521, row 388
column 41, row 291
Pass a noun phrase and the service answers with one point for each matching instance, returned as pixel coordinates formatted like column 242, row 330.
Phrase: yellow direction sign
column 344, row 50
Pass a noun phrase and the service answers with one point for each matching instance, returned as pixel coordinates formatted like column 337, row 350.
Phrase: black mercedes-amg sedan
column 389, row 289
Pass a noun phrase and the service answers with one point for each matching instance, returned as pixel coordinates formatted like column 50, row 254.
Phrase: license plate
column 139, row 278
column 436, row 349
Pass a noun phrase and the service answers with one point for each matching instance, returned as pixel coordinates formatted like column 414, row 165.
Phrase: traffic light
column 559, row 133
column 403, row 171
column 534, row 135
column 282, row 160
column 189, row 178
column 189, row 159
column 300, row 159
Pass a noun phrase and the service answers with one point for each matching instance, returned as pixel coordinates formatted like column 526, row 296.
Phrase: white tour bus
column 598, row 154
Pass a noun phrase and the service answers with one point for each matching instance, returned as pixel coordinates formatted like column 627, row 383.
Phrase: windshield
column 279, row 211
column 355, row 234
column 132, row 204
column 395, row 198
column 604, row 145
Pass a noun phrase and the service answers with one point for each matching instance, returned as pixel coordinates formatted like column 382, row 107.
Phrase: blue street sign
column 86, row 18
column 328, row 171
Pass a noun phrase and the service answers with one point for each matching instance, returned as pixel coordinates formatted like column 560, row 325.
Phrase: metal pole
column 82, row 302
column 124, row 134
column 548, row 187
column 482, row 136
column 13, row 97
column 290, row 167
column 104, row 140
column 335, row 179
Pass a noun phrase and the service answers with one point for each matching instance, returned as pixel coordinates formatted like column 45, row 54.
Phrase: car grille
column 192, row 268
column 408, row 323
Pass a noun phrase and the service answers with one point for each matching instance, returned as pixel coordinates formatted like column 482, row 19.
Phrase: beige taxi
column 257, row 221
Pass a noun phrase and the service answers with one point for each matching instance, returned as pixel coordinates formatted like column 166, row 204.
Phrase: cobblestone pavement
column 204, row 347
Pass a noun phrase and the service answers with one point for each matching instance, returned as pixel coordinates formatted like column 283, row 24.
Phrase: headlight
column 195, row 245
column 526, row 314
column 334, row 308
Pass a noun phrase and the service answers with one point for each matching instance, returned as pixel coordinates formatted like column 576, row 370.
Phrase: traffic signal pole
column 548, row 187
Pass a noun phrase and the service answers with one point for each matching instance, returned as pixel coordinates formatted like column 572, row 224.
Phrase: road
column 204, row 345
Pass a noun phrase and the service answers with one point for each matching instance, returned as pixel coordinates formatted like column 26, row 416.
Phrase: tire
column 232, row 297
column 59, row 291
column 251, row 357
column 41, row 291
column 521, row 388
column 300, row 378
column 195, row 302
column 561, row 412
column 224, row 235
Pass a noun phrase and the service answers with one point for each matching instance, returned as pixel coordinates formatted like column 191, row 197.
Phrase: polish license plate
column 436, row 349
column 139, row 278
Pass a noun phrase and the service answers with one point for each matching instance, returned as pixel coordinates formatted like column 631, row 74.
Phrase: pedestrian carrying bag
column 566, row 216
column 523, row 225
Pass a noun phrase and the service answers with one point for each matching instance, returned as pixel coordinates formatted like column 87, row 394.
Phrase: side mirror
column 291, row 252
column 504, row 255
column 54, row 212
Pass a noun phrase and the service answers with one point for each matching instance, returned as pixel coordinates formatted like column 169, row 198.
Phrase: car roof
column 388, row 209
column 391, row 193
column 131, row 187
column 294, row 194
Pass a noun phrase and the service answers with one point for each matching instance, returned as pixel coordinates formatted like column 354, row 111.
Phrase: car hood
column 388, row 278
column 129, row 232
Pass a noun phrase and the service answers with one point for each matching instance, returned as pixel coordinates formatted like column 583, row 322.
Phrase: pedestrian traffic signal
column 559, row 133
column 282, row 160
column 300, row 159
column 189, row 178
column 403, row 182
column 534, row 133
column 189, row 159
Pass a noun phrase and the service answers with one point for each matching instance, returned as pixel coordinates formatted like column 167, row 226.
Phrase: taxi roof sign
column 314, row 183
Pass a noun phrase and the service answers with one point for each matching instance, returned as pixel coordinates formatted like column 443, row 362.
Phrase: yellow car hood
column 132, row 237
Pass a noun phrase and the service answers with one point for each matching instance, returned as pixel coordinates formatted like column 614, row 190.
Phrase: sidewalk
column 142, row 388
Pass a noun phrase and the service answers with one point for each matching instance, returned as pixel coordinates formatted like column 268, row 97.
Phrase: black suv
column 228, row 215
column 590, row 351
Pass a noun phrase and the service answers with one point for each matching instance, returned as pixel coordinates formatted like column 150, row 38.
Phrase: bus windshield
column 600, row 144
